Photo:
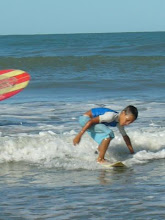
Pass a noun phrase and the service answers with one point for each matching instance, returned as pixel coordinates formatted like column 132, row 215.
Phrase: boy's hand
column 77, row 139
column 128, row 143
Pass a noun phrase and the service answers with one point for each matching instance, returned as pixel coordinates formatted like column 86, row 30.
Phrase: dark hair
column 130, row 109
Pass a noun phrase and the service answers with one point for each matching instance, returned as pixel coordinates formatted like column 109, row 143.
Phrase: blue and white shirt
column 108, row 117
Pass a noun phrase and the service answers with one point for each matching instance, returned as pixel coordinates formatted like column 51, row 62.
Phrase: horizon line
column 81, row 33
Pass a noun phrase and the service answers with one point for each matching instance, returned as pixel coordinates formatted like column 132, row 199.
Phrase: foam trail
column 56, row 150
column 46, row 149
column 144, row 157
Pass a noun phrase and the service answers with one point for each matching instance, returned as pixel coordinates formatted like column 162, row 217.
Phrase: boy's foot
column 100, row 160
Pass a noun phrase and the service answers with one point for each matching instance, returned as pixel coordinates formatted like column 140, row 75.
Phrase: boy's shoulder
column 109, row 116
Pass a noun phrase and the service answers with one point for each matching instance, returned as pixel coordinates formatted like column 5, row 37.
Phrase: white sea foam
column 42, row 134
column 56, row 150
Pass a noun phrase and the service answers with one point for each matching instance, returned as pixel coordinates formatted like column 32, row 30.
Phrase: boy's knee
column 108, row 132
column 111, row 134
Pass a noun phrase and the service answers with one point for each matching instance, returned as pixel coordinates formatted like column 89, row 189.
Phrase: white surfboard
column 116, row 164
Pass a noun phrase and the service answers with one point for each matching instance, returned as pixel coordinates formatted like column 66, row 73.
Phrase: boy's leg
column 102, row 149
column 101, row 134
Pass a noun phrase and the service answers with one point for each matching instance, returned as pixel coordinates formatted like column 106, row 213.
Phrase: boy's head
column 128, row 115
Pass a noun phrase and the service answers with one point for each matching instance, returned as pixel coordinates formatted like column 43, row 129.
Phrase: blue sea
column 42, row 175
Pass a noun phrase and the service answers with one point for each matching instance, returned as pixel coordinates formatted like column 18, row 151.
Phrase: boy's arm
column 77, row 139
column 126, row 138
column 128, row 143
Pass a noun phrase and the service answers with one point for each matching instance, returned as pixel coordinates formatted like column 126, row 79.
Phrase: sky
column 80, row 16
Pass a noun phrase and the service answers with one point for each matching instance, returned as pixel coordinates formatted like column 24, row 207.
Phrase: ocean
column 43, row 176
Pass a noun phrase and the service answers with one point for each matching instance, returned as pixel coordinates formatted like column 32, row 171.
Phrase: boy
column 97, row 121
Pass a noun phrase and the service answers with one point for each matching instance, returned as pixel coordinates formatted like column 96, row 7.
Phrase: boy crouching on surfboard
column 97, row 121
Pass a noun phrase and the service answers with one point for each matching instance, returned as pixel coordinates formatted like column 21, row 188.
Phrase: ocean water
column 43, row 176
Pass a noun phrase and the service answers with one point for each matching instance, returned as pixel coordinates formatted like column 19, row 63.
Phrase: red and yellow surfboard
column 12, row 82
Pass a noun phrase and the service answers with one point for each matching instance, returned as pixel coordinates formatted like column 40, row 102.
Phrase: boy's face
column 125, row 119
